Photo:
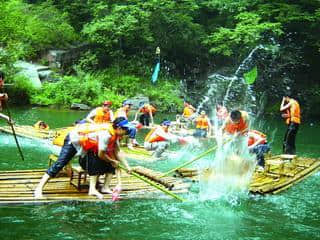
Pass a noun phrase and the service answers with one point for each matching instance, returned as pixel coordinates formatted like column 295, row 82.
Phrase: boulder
column 138, row 101
column 79, row 106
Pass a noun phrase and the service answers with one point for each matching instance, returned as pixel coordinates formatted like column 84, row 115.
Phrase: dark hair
column 2, row 75
column 235, row 115
column 116, row 122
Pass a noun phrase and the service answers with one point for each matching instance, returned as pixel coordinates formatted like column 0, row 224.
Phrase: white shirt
column 102, row 137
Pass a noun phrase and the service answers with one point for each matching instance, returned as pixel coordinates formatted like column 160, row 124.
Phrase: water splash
column 230, row 172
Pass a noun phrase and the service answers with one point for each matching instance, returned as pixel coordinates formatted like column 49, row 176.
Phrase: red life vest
column 153, row 137
column 88, row 143
column 253, row 140
column 146, row 108
column 233, row 128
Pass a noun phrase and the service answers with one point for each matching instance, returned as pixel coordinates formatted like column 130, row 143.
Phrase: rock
column 79, row 106
column 138, row 101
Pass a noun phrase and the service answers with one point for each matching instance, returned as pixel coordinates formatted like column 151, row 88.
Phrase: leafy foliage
column 27, row 30
column 251, row 76
column 93, row 89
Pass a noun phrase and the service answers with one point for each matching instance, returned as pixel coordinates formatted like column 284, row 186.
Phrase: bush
column 22, row 90
column 93, row 89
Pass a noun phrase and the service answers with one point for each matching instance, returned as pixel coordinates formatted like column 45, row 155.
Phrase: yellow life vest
column 187, row 112
column 101, row 116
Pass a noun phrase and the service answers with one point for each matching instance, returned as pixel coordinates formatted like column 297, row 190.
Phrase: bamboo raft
column 30, row 132
column 56, row 137
column 281, row 172
column 17, row 187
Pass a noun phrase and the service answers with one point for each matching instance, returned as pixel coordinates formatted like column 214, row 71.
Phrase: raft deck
column 56, row 138
column 281, row 172
column 17, row 187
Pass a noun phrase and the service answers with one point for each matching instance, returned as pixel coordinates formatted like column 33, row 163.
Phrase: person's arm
column 91, row 116
column 5, row 117
column 151, row 115
column 123, row 160
column 167, row 136
column 192, row 107
column 284, row 106
column 104, row 138
column 118, row 175
column 136, row 115
column 111, row 115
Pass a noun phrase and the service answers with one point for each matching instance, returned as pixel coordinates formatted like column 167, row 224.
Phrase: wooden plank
column 18, row 187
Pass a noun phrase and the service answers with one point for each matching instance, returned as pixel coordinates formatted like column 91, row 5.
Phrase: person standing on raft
column 292, row 118
column 203, row 126
column 103, row 140
column 132, row 130
column 147, row 113
column 101, row 114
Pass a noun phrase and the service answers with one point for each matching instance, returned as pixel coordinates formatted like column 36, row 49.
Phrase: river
column 293, row 214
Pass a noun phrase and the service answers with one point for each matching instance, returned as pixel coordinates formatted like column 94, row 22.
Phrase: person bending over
column 102, row 139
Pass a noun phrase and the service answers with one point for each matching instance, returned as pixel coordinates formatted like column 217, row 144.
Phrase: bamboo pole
column 191, row 161
column 146, row 180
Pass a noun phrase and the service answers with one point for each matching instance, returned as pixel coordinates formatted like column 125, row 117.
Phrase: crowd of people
column 96, row 139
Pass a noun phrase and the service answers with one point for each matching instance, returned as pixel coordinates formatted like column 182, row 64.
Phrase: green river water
column 293, row 214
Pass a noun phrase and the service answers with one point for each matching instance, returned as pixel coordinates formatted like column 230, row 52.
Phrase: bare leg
column 107, row 181
column 42, row 183
column 92, row 187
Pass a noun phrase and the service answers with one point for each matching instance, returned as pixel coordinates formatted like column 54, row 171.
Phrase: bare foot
column 96, row 193
column 106, row 190
column 37, row 193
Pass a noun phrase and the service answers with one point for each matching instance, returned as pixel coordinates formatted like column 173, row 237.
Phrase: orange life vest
column 153, row 137
column 101, row 116
column 88, row 143
column 233, row 128
column 202, row 122
column 295, row 112
column 187, row 112
column 253, row 140
column 146, row 108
